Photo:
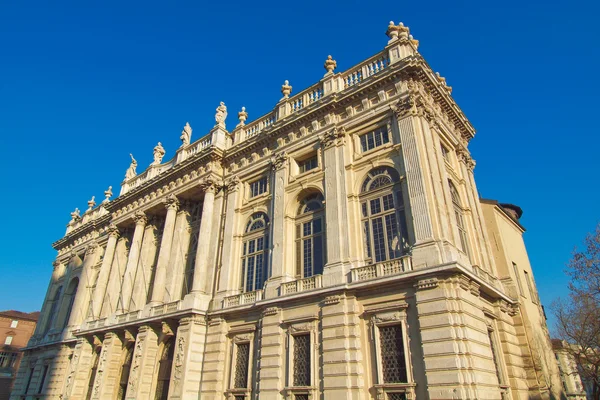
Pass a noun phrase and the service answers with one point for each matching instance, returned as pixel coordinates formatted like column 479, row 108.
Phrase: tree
column 578, row 317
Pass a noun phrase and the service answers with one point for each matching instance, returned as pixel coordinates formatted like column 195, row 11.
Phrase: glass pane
column 378, row 240
column 363, row 206
column 259, row 272
column 370, row 141
column 392, row 236
column 306, row 229
column 298, row 258
column 318, row 254
column 388, row 202
column 400, row 199
column 363, row 143
column 301, row 360
column 375, row 206
column 367, row 236
column 308, row 271
column 317, row 225
column 244, row 251
column 377, row 135
column 384, row 135
column 259, row 244
column 392, row 354
column 242, row 360
column 250, row 274
column 251, row 246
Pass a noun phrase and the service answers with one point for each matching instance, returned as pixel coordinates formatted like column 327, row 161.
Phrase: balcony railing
column 302, row 285
column 166, row 308
column 243, row 298
column 386, row 268
column 486, row 276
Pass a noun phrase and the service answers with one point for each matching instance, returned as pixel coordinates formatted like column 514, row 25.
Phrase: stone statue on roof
column 130, row 173
column 159, row 152
column 186, row 135
column 221, row 115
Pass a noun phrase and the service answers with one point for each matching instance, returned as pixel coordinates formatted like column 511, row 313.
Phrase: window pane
column 242, row 360
column 367, row 237
column 318, row 254
column 363, row 143
column 370, row 141
column 378, row 139
column 250, row 274
column 375, row 206
column 298, row 257
column 392, row 354
column 308, row 271
column 302, row 360
column 317, row 225
column 364, row 209
column 259, row 244
column 392, row 235
column 384, row 135
column 259, row 272
column 251, row 246
column 388, row 202
column 306, row 229
column 378, row 240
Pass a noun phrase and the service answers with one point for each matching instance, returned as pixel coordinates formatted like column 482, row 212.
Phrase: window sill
column 306, row 174
column 231, row 394
column 406, row 388
column 290, row 392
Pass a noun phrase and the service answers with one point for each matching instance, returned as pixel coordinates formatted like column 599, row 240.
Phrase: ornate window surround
column 248, row 236
column 364, row 130
column 390, row 314
column 294, row 170
column 240, row 335
column 300, row 327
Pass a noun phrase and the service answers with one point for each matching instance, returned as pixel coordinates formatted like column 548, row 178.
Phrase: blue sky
column 83, row 85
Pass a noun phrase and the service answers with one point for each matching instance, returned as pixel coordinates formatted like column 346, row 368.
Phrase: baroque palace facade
column 335, row 248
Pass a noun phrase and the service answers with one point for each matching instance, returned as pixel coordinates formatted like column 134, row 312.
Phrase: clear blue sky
column 82, row 86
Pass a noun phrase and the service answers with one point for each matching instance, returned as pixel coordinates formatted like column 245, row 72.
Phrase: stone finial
column 330, row 65
column 91, row 203
column 107, row 195
column 130, row 173
column 397, row 31
column 221, row 115
column 242, row 116
column 286, row 89
column 75, row 215
column 186, row 135
column 159, row 152
column 442, row 80
column 414, row 41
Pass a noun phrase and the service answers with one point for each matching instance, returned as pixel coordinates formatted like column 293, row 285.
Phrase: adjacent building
column 569, row 374
column 16, row 328
column 333, row 248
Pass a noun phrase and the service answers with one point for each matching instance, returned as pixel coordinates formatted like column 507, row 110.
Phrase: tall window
column 164, row 370
column 242, row 366
column 195, row 217
column 71, row 293
column 393, row 360
column 302, row 362
column 383, row 217
column 460, row 222
column 518, row 279
column 254, row 252
column 310, row 243
column 93, row 373
column 495, row 356
column 31, row 370
column 530, row 286
column 43, row 380
column 53, row 309
column 125, row 370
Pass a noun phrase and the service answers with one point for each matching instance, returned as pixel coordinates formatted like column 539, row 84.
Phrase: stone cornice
column 93, row 229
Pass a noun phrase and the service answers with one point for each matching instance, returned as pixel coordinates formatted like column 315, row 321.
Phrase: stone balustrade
column 166, row 308
column 486, row 276
column 386, row 268
column 243, row 298
column 302, row 285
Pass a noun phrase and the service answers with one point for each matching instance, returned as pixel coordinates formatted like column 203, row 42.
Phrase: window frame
column 240, row 337
column 294, row 329
column 8, row 340
column 300, row 238
column 393, row 314
column 380, row 129
column 14, row 323
column 251, row 195
column 462, row 244
column 247, row 237
column 366, row 196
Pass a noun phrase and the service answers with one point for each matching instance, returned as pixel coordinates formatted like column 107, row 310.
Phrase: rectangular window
column 242, row 361
column 28, row 381
column 373, row 139
column 495, row 356
column 530, row 287
column 308, row 164
column 8, row 340
column 258, row 187
column 445, row 153
column 517, row 278
column 7, row 359
column 41, row 388
column 302, row 362
column 14, row 323
column 393, row 361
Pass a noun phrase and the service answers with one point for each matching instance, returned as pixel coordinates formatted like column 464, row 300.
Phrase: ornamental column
column 226, row 277
column 158, row 291
column 83, row 290
column 104, row 274
column 58, row 269
column 276, row 267
column 202, row 276
column 132, row 262
column 336, row 212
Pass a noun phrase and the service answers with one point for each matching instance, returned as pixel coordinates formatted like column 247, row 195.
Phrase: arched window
column 164, row 370
column 310, row 243
column 460, row 221
column 125, row 369
column 383, row 217
column 254, row 252
column 53, row 309
column 93, row 371
column 71, row 292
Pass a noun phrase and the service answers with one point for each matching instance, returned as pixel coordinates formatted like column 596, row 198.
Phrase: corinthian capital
column 278, row 161
column 140, row 218
column 91, row 248
column 231, row 184
column 208, row 185
column 333, row 137
column 113, row 231
column 171, row 202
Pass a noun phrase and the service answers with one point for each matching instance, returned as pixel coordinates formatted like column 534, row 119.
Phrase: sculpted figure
column 130, row 173
column 186, row 134
column 159, row 153
column 221, row 115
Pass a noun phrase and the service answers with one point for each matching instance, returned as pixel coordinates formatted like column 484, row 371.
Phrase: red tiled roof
column 33, row 316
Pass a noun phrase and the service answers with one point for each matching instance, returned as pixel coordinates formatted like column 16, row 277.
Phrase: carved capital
column 140, row 218
column 334, row 137
column 231, row 184
column 113, row 231
column 208, row 185
column 91, row 248
column 279, row 160
column 56, row 264
column 171, row 202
